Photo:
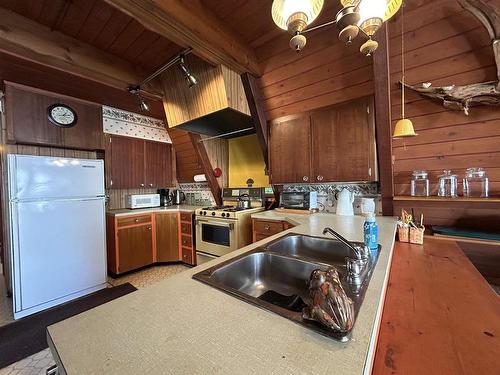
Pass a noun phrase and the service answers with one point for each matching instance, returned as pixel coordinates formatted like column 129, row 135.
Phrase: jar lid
column 475, row 172
column 420, row 173
column 447, row 174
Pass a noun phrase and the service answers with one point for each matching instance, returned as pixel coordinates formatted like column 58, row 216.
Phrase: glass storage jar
column 476, row 183
column 419, row 184
column 447, row 185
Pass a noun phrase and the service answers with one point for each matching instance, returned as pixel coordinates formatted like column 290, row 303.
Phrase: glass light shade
column 374, row 12
column 282, row 10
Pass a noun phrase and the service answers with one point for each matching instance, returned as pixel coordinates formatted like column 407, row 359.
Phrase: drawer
column 187, row 255
column 267, row 227
column 186, row 216
column 186, row 228
column 133, row 220
column 186, row 241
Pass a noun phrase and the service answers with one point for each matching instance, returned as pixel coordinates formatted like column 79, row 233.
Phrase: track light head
column 190, row 79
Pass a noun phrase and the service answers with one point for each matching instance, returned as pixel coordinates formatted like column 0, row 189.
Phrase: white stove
column 222, row 229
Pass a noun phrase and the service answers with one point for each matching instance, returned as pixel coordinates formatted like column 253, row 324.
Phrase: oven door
column 215, row 236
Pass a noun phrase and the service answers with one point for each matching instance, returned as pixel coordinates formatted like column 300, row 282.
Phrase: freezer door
column 58, row 251
column 40, row 177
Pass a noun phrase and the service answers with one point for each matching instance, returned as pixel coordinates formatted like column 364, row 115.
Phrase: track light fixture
column 190, row 79
column 179, row 60
column 136, row 90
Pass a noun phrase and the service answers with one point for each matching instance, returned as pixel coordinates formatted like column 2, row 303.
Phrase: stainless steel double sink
column 275, row 277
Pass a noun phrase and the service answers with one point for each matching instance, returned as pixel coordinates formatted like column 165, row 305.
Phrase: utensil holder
column 403, row 234
column 417, row 235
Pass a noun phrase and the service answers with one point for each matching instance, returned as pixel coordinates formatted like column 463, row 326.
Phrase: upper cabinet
column 133, row 163
column 290, row 149
column 334, row 144
column 27, row 113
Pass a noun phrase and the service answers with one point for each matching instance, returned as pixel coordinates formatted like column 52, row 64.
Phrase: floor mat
column 27, row 336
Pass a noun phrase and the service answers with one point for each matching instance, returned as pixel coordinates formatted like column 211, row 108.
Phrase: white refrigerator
column 57, row 230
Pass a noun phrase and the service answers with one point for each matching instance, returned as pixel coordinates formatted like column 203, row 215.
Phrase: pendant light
column 404, row 127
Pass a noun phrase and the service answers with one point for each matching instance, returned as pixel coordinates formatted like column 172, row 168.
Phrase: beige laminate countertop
column 182, row 326
column 128, row 211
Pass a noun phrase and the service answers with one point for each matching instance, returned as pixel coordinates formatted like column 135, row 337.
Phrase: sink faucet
column 358, row 252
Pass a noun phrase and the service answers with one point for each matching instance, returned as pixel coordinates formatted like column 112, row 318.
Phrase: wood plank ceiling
column 100, row 25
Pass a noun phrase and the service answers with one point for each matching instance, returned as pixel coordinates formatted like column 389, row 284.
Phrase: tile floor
column 39, row 362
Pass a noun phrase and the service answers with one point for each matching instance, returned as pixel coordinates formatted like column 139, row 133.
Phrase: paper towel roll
column 200, row 178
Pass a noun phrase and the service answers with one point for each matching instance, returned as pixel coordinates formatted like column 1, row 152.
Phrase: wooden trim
column 383, row 120
column 34, row 42
column 206, row 166
column 446, row 199
column 254, row 97
column 190, row 24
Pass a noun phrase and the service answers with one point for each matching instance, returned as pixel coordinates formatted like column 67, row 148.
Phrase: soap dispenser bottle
column 370, row 228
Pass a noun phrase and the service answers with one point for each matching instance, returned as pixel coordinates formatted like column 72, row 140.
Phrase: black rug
column 27, row 336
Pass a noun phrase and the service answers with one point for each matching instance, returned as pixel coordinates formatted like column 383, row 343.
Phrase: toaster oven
column 143, row 200
column 299, row 200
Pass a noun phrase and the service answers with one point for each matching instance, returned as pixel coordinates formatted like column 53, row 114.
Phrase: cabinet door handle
column 149, row 228
column 151, row 185
column 319, row 178
column 142, row 185
column 136, row 220
column 305, row 178
column 267, row 227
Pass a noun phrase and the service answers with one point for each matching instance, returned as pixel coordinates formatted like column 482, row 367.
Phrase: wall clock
column 62, row 115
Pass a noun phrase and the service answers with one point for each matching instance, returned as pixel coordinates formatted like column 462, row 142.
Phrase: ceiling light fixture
column 179, row 59
column 404, row 127
column 365, row 16
column 190, row 79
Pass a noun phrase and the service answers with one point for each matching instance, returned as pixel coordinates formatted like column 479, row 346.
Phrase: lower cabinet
column 136, row 245
column 267, row 228
column 167, row 237
column 135, row 241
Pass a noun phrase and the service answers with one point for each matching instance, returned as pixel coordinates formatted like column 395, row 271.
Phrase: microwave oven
column 143, row 200
column 299, row 200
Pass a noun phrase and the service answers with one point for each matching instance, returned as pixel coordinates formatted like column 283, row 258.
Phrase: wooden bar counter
column 440, row 315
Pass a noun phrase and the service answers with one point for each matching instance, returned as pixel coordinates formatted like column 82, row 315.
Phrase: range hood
column 216, row 106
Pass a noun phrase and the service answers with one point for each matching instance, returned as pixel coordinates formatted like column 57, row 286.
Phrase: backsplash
column 197, row 194
column 327, row 194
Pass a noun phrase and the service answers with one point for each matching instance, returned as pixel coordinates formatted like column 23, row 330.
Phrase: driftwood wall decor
column 487, row 93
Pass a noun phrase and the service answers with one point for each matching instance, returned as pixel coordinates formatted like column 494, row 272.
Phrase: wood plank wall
column 444, row 45
column 326, row 72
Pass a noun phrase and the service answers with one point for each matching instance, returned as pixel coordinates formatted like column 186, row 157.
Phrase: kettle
column 178, row 197
column 344, row 203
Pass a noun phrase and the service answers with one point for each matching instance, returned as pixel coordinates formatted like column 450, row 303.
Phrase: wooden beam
column 189, row 24
column 383, row 118
column 212, row 182
column 254, row 98
column 29, row 40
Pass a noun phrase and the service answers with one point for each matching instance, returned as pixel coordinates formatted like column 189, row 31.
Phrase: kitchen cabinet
column 28, row 123
column 167, row 237
column 138, row 240
column 133, row 163
column 333, row 144
column 187, row 239
column 290, row 149
column 158, row 164
column 266, row 228
column 343, row 143
column 129, row 242
column 135, row 244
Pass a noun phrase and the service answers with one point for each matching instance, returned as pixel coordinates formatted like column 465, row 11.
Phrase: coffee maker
column 165, row 198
